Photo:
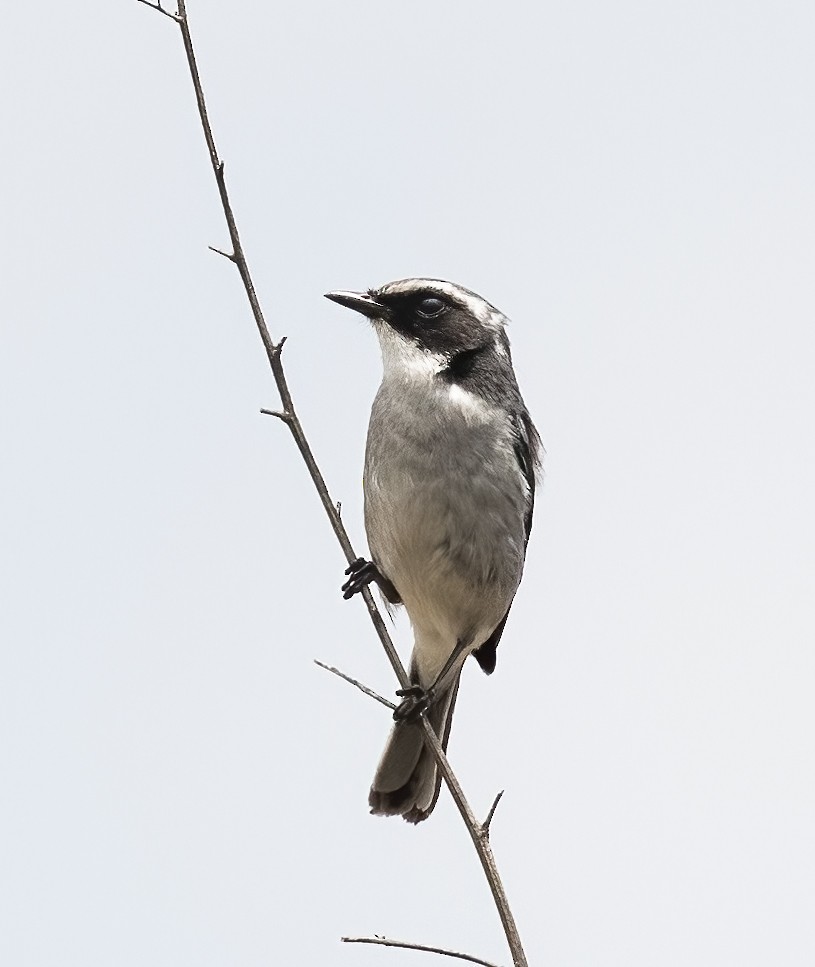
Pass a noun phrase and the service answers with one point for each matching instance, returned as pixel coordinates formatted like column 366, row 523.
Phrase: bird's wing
column 527, row 450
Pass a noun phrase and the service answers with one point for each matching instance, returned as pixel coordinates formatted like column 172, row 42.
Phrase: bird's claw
column 361, row 573
column 415, row 701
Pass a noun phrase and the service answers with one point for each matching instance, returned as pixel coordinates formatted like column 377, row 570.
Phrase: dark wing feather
column 527, row 450
column 485, row 654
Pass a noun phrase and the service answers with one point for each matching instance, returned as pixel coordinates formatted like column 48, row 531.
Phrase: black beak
column 360, row 302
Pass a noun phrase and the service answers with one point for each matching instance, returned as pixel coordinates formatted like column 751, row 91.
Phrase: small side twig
column 384, row 942
column 285, row 417
column 158, row 7
column 353, row 681
column 485, row 826
column 227, row 255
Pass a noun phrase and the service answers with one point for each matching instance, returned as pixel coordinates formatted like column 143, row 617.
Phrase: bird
column 451, row 461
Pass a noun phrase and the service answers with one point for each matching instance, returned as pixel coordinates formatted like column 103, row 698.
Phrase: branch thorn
column 485, row 826
column 218, row 251
column 285, row 417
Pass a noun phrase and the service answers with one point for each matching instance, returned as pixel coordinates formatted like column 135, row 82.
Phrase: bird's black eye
column 430, row 308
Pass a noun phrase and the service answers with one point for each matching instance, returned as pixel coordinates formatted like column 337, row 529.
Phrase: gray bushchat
column 449, row 485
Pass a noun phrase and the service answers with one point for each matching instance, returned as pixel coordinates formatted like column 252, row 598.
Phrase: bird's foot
column 361, row 573
column 415, row 701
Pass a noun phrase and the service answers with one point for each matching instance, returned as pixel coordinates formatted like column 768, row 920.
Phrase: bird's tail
column 407, row 781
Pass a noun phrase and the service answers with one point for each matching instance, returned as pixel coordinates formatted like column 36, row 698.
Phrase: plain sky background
column 632, row 183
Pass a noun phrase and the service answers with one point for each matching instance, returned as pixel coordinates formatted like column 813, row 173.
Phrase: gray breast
column 445, row 500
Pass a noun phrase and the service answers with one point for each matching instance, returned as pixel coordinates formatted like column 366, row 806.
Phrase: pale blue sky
column 632, row 184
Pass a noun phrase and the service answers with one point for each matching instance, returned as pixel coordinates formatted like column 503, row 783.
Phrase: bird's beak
column 360, row 302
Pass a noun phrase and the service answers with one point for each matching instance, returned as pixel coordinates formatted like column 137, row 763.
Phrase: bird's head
column 427, row 319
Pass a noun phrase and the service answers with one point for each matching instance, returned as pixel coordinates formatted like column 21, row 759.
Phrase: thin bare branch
column 158, row 7
column 384, row 942
column 482, row 848
column 289, row 416
column 353, row 681
column 485, row 826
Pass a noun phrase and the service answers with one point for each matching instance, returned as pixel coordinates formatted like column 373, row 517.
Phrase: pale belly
column 444, row 511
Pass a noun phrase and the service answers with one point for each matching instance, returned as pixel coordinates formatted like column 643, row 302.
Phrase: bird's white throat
column 403, row 359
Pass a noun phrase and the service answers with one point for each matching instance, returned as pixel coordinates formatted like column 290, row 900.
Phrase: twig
column 289, row 416
column 384, row 942
column 285, row 417
column 353, row 681
column 485, row 826
column 158, row 7
column 218, row 251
